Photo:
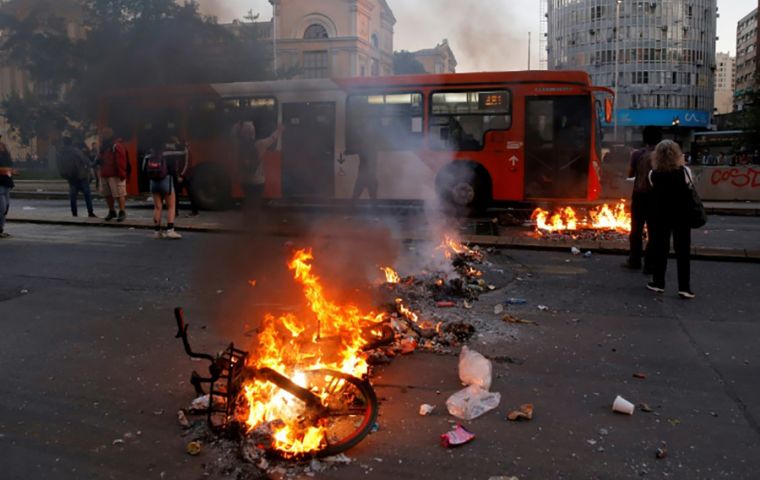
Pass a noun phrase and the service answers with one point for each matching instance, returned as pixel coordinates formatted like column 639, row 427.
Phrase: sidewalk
column 725, row 238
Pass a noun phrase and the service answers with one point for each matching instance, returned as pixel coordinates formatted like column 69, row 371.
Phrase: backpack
column 155, row 166
column 67, row 166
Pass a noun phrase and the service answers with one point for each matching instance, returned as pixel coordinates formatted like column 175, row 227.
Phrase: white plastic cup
column 621, row 405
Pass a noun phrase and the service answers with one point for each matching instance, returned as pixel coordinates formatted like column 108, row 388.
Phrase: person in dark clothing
column 74, row 167
column 179, row 153
column 639, row 168
column 6, row 184
column 670, row 180
column 367, row 150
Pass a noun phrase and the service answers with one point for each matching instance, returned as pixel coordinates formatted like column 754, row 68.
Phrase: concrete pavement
column 88, row 357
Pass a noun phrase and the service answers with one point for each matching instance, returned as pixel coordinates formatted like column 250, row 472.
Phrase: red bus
column 472, row 139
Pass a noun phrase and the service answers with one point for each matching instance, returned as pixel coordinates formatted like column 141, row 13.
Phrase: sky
column 492, row 36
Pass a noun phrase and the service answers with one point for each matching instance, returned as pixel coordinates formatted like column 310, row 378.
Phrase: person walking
column 639, row 168
column 113, row 172
column 367, row 150
column 6, row 185
column 670, row 180
column 74, row 167
column 161, row 170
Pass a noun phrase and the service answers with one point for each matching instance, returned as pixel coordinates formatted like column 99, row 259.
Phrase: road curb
column 503, row 242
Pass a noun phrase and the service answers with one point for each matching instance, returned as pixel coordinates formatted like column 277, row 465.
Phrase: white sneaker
column 172, row 234
column 158, row 234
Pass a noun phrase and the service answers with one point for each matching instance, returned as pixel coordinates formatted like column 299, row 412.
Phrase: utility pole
column 274, row 36
column 617, row 68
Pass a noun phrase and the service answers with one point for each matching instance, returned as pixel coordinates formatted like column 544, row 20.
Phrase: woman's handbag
column 695, row 214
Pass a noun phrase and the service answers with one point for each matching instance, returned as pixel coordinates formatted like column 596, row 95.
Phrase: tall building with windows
column 659, row 55
column 334, row 38
column 746, row 58
column 725, row 75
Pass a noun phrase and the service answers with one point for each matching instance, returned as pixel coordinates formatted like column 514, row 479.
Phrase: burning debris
column 303, row 390
column 599, row 219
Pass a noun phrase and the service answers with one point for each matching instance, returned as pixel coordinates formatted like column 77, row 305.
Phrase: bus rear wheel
column 465, row 187
column 211, row 187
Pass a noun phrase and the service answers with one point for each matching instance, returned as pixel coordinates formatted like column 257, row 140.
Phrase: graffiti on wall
column 739, row 177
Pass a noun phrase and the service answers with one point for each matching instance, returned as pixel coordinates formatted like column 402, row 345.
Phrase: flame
column 391, row 275
column 292, row 345
column 616, row 218
column 450, row 247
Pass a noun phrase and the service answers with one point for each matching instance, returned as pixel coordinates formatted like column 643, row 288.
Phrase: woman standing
column 670, row 180
column 160, row 170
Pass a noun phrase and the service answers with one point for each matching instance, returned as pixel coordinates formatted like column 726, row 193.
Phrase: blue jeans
column 5, row 203
column 75, row 187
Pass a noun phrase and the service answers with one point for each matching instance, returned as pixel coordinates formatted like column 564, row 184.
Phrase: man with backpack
column 6, row 184
column 160, row 170
column 639, row 168
column 74, row 167
column 114, row 170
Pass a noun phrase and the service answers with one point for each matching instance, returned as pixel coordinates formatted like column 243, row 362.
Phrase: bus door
column 557, row 143
column 155, row 128
column 308, row 150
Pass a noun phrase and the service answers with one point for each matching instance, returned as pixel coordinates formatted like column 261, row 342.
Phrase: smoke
column 484, row 36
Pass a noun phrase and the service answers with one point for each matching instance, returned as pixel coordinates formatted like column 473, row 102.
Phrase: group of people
column 660, row 202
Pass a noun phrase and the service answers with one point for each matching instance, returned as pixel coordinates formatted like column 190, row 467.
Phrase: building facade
column 746, row 58
column 334, row 38
column 725, row 76
column 658, row 54
column 440, row 59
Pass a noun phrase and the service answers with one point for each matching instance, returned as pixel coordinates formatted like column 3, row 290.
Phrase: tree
column 404, row 63
column 129, row 44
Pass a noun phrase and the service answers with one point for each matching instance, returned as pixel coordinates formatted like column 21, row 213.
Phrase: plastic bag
column 474, row 369
column 472, row 402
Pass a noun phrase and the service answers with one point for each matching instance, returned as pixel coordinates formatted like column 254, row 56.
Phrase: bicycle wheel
column 351, row 409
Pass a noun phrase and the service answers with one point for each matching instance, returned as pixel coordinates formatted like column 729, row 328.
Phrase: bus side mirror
column 608, row 110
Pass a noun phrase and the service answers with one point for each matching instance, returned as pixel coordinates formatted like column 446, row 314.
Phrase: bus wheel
column 211, row 188
column 465, row 186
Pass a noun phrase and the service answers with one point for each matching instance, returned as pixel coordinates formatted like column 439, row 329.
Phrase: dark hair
column 652, row 135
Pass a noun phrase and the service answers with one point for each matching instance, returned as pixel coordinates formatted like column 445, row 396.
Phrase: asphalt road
column 88, row 356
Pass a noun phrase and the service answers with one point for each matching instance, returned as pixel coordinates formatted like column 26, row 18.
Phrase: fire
column 391, row 275
column 566, row 219
column 331, row 336
column 451, row 247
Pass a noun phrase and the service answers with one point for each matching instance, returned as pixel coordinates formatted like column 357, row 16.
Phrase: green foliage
column 129, row 44
column 405, row 63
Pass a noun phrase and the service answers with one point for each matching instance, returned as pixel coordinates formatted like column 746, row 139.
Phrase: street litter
column 458, row 436
column 621, row 405
column 445, row 304
column 525, row 411
column 512, row 319
column 661, row 452
column 516, row 301
column 426, row 409
column 472, row 402
column 575, row 251
column 498, row 309
column 674, row 421
column 587, row 254
column 474, row 369
column 644, row 407
column 639, row 375
column 182, row 419
column 543, row 308
column 194, row 448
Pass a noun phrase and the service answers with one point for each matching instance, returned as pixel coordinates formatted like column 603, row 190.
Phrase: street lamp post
column 617, row 63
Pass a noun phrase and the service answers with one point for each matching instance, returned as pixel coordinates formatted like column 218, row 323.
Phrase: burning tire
column 464, row 185
column 211, row 187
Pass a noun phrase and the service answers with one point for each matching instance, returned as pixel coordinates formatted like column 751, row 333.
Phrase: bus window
column 460, row 120
column 397, row 119
column 209, row 119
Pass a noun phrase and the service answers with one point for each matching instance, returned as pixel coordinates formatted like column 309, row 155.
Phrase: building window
column 315, row 31
column 375, row 41
column 315, row 64
column 375, row 68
